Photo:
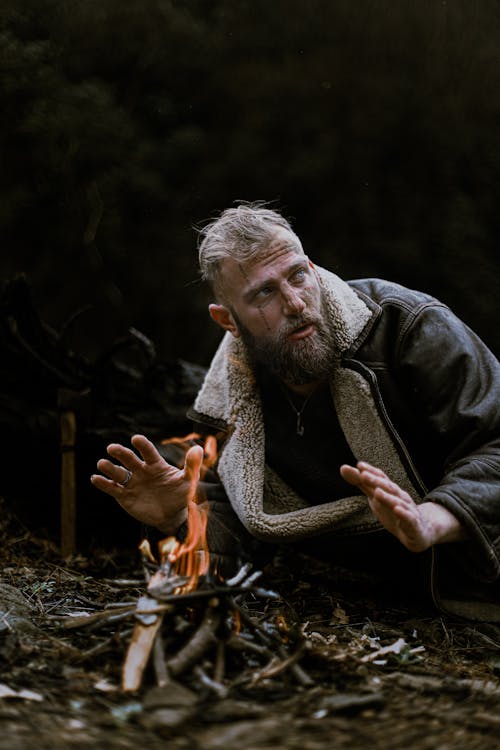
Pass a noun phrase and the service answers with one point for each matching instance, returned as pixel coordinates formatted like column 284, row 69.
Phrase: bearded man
column 359, row 420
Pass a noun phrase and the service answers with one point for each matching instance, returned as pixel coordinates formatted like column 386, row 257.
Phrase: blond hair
column 242, row 233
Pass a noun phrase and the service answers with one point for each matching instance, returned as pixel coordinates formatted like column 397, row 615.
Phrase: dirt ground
column 382, row 674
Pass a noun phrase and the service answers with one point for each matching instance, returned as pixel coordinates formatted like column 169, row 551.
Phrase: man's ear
column 223, row 318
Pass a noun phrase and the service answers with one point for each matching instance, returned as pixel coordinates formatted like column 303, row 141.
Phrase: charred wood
column 199, row 643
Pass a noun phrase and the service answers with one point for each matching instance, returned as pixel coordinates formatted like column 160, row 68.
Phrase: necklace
column 299, row 427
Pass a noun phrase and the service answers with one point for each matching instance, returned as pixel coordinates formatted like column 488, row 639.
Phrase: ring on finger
column 127, row 479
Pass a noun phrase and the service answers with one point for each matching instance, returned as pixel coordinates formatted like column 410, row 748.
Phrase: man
column 349, row 415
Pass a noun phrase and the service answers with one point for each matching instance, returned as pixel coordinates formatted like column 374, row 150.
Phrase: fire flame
column 191, row 558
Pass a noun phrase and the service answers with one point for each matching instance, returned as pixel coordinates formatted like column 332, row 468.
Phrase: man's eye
column 264, row 292
column 299, row 274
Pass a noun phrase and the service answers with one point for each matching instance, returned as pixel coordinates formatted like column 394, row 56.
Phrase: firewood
column 138, row 654
column 161, row 671
column 198, row 644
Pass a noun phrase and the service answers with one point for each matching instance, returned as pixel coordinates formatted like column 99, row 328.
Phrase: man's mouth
column 302, row 332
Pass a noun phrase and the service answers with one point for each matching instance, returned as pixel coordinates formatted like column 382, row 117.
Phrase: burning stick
column 143, row 639
column 199, row 607
column 200, row 620
column 181, row 566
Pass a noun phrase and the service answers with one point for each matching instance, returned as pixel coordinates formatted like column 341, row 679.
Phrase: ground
column 383, row 674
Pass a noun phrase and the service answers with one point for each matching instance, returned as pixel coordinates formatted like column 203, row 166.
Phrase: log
column 138, row 653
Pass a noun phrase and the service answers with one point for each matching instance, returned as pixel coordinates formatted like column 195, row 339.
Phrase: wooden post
column 68, row 483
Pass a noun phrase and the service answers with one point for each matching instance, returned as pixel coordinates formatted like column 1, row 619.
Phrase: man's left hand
column 417, row 527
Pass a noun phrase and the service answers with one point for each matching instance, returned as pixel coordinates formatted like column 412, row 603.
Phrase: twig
column 220, row 662
column 82, row 621
column 240, row 575
column 237, row 643
column 199, row 642
column 201, row 594
column 124, row 583
column 253, row 624
column 220, row 690
column 251, row 579
column 272, row 669
column 162, row 676
column 103, row 646
column 112, row 618
column 300, row 675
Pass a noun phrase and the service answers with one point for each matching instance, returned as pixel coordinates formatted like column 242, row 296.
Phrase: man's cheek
column 264, row 319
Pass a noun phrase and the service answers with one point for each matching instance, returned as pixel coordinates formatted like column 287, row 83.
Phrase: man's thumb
column 194, row 459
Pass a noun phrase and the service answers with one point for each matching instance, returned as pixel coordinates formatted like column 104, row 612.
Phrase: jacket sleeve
column 454, row 381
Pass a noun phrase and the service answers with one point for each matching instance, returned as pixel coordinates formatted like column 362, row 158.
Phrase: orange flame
column 190, row 558
column 210, row 453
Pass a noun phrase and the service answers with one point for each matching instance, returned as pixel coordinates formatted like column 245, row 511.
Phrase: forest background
column 374, row 126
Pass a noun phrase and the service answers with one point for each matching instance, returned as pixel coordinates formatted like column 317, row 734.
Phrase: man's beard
column 295, row 362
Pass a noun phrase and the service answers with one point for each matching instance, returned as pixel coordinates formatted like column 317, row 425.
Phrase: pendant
column 300, row 427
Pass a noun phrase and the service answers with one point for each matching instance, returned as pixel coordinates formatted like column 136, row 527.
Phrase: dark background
column 126, row 123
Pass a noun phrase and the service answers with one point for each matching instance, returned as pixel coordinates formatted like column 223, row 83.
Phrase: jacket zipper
column 370, row 376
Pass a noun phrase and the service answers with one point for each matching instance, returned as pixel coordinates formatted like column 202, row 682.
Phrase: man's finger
column 350, row 474
column 106, row 485
column 353, row 476
column 116, row 473
column 125, row 456
column 194, row 459
column 365, row 466
column 391, row 500
column 146, row 448
column 374, row 481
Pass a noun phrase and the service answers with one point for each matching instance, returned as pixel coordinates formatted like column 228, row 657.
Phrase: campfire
column 191, row 623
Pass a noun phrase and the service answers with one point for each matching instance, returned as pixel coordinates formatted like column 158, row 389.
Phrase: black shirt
column 308, row 463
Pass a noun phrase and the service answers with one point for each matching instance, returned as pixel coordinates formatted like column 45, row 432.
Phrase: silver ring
column 127, row 478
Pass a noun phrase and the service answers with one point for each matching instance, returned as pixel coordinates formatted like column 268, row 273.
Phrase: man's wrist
column 170, row 527
column 444, row 525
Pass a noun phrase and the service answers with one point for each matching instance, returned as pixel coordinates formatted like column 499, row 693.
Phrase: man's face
column 277, row 307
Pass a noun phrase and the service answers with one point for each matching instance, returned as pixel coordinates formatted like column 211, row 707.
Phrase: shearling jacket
column 416, row 392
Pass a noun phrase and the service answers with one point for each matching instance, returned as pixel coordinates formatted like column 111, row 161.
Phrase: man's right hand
column 157, row 493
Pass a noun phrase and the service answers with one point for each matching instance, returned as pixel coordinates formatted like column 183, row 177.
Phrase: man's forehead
column 238, row 275
column 280, row 250
column 283, row 241
column 282, row 244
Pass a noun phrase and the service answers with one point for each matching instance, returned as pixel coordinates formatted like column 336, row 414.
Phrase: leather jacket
column 436, row 387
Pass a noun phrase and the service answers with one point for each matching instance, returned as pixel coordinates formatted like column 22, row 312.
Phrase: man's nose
column 293, row 303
